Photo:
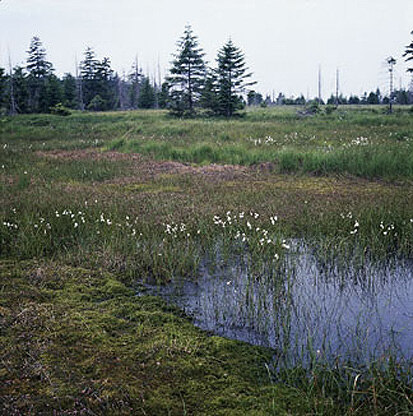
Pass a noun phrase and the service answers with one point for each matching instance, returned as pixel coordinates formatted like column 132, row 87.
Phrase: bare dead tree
column 13, row 106
column 79, row 87
column 391, row 62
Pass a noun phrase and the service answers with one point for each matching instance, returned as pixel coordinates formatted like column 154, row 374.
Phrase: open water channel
column 307, row 309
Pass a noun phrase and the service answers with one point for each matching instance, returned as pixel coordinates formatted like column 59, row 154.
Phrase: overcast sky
column 285, row 41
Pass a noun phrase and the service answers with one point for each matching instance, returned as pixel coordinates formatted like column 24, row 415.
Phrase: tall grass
column 382, row 161
column 321, row 144
column 143, row 247
column 382, row 387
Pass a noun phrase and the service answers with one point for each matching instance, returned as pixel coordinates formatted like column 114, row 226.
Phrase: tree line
column 400, row 96
column 191, row 86
column 35, row 88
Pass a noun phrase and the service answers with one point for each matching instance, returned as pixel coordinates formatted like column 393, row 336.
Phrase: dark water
column 307, row 309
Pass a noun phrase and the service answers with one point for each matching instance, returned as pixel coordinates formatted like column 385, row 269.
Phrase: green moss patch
column 151, row 188
column 76, row 340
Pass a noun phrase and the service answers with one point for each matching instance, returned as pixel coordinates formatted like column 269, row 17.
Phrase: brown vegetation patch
column 153, row 169
column 145, row 169
column 88, row 154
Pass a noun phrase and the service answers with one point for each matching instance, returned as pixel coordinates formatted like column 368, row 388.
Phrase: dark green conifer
column 88, row 68
column 39, row 70
column 409, row 54
column 70, row 91
column 163, row 95
column 20, row 89
column 3, row 90
column 147, row 94
column 209, row 98
column 37, row 65
column 232, row 75
column 187, row 75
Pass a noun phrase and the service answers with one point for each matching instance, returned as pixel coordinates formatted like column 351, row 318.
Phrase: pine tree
column 409, row 54
column 121, row 96
column 186, row 75
column 254, row 98
column 37, row 65
column 354, row 99
column 69, row 91
column 209, row 98
column 88, row 68
column 52, row 95
column 39, row 69
column 20, row 89
column 232, row 78
column 98, row 80
column 373, row 98
column 163, row 96
column 97, row 104
column 147, row 94
column 3, row 90
column 106, row 83
column 88, row 65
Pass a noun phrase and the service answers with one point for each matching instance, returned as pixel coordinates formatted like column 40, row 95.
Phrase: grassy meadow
column 94, row 203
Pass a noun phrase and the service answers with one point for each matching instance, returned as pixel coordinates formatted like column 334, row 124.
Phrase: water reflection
column 308, row 308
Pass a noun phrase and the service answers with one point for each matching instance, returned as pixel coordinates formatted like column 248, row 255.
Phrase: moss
column 77, row 340
column 151, row 188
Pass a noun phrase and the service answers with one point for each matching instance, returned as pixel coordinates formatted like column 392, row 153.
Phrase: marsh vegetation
column 292, row 233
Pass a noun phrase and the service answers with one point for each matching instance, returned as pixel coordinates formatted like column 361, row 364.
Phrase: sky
column 285, row 41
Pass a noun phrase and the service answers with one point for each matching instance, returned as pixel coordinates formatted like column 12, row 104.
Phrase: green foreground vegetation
column 76, row 340
column 91, row 204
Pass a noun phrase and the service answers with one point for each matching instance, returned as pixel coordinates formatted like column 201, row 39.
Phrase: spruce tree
column 37, row 65
column 232, row 76
column 134, row 85
column 20, row 89
column 69, row 91
column 88, row 76
column 3, row 90
column 120, row 92
column 209, row 98
column 39, row 69
column 186, row 75
column 97, row 104
column 147, row 94
column 106, row 83
column 254, row 98
column 163, row 95
column 97, row 80
column 52, row 95
column 409, row 54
